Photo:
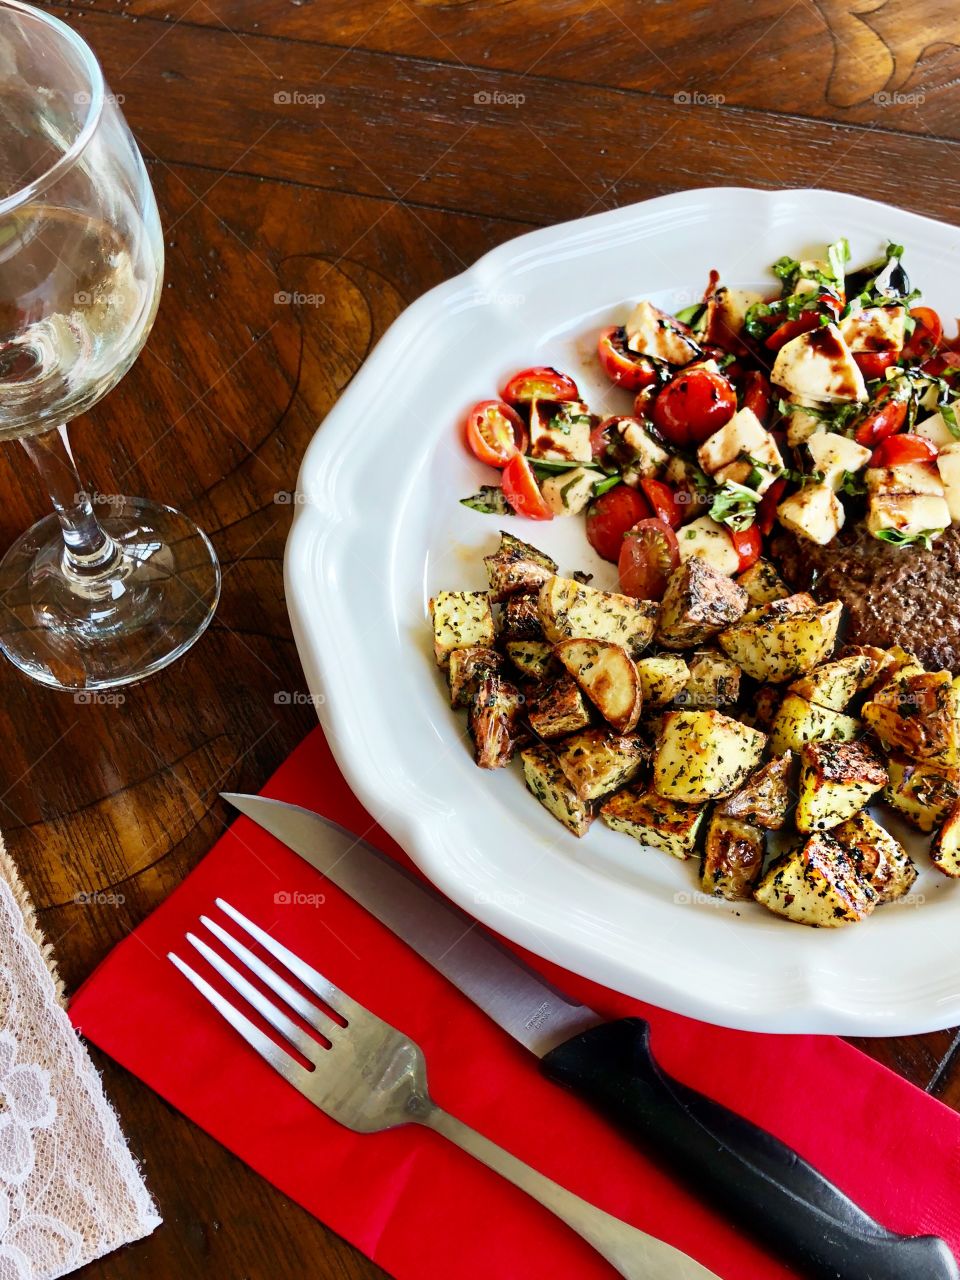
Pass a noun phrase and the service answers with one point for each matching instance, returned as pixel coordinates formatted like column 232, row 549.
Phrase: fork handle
column 633, row 1253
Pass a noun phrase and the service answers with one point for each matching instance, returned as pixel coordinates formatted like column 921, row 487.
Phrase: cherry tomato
column 495, row 432
column 693, row 405
column 649, row 553
column 767, row 510
column 521, row 490
column 539, row 383
column 873, row 364
column 643, row 401
column 757, row 394
column 906, row 448
column 927, row 334
column 883, row 419
column 610, row 516
column 945, row 359
column 621, row 365
column 664, row 502
column 748, row 544
column 600, row 438
column 804, row 323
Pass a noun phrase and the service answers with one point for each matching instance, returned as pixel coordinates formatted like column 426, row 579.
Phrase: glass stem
column 88, row 550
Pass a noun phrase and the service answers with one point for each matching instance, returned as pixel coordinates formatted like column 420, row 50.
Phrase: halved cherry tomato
column 804, row 323
column 539, row 383
column 757, row 394
column 884, row 419
column 643, row 402
column 927, row 334
column 767, row 510
column 906, row 448
column 521, row 490
column 664, row 501
column 495, row 432
column 748, row 544
column 610, row 516
column 600, row 438
column 623, row 366
column 945, row 359
column 873, row 364
column 649, row 553
column 693, row 405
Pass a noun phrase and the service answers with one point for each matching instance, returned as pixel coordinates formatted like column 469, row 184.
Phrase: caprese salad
column 831, row 401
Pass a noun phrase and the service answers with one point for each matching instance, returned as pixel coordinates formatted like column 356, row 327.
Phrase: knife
column 742, row 1170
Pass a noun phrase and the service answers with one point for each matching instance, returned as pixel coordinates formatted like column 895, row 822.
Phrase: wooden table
column 351, row 156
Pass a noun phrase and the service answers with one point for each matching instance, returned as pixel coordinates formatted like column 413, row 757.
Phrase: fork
column 374, row 1078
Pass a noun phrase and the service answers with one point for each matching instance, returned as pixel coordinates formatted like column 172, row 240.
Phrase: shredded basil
column 605, row 485
column 490, row 500
column 735, row 505
column 852, row 484
column 554, row 466
column 924, row 538
column 691, row 316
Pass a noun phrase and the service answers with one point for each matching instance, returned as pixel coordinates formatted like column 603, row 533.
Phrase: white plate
column 379, row 528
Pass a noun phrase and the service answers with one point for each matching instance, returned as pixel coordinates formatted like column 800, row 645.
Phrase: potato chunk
column 547, row 781
column 558, row 710
column 945, row 846
column 520, row 618
column 922, row 793
column 661, row 678
column 495, row 722
column 762, row 583
column 461, row 619
column 516, row 566
column 608, row 676
column 782, row 645
column 699, row 601
column 569, row 610
column 919, row 714
column 597, row 761
column 816, row 885
column 532, row 658
column 876, row 856
column 701, row 755
column 798, row 721
column 836, row 780
column 714, row 681
column 732, row 858
column 765, row 798
column 467, row 668
column 654, row 821
column 835, row 683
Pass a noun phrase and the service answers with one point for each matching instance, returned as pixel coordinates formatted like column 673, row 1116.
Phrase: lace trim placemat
column 70, row 1190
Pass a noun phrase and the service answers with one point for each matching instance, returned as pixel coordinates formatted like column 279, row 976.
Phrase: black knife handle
column 747, row 1173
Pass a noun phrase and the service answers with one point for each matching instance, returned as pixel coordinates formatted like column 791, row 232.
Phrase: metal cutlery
column 373, row 1078
column 744, row 1172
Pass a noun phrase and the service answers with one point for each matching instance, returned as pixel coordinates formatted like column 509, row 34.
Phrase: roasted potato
column 569, row 610
column 732, row 857
column 547, row 781
column 816, row 885
column 836, row 780
column 608, row 676
column 468, row 667
column 558, row 710
column 714, row 681
column 516, row 566
column 798, row 721
column 654, row 821
column 780, row 645
column 532, row 658
column 701, row 755
column 834, row 684
column 495, row 722
column 918, row 713
column 596, row 761
column 876, row 856
column 766, row 702
column 520, row 619
column 661, row 678
column 461, row 620
column 762, row 583
column 945, row 846
column 923, row 793
column 878, row 661
column 698, row 602
column 765, row 797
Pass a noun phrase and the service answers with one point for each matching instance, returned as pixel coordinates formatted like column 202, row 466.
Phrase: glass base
column 102, row 627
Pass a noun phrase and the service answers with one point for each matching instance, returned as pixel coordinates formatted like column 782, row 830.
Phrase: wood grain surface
column 365, row 152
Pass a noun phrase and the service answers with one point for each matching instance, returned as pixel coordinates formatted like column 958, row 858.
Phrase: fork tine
column 266, row 1008
column 306, row 1008
column 281, row 1061
column 338, row 1001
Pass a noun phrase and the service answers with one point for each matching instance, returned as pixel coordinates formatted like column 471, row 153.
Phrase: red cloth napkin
column 413, row 1203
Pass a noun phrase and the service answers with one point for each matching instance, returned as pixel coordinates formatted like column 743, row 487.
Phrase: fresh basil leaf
column 554, row 466
column 923, row 539
column 948, row 412
column 838, row 255
column 852, row 484
column 691, row 315
column 605, row 485
column 735, row 505
column 490, row 500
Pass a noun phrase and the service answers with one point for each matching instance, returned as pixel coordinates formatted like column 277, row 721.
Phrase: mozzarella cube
column 833, row 455
column 935, row 430
column 874, row 329
column 651, row 332
column 818, row 366
column 801, row 423
column 560, row 430
column 921, row 478
column 948, row 464
column 648, row 456
column 569, row 492
column 813, row 512
column 742, row 435
column 730, row 311
column 710, row 541
column 907, row 513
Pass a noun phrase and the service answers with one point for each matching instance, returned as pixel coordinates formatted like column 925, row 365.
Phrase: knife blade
column 761, row 1182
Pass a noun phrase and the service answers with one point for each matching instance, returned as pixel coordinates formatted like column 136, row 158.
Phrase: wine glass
column 85, row 602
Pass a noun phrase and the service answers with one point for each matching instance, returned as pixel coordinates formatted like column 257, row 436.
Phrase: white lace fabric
column 70, row 1190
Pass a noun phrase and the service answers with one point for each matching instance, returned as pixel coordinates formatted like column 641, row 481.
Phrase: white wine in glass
column 85, row 602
